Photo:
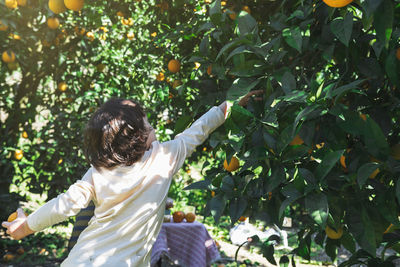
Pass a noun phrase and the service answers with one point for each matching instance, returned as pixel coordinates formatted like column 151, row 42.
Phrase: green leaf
column 217, row 205
column 317, row 207
column 345, row 88
column 215, row 12
column 365, row 171
column 304, row 249
column 361, row 227
column 288, row 82
column 327, row 163
column 284, row 261
column 391, row 67
column 291, row 194
column 231, row 45
column 198, row 185
column 398, row 190
column 240, row 87
column 236, row 208
column 182, row 123
column 293, row 37
column 246, row 23
column 348, row 242
column 268, row 253
column 383, row 22
column 343, row 27
column 277, row 177
column 375, row 139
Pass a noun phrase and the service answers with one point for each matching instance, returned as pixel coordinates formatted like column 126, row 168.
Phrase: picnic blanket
column 187, row 244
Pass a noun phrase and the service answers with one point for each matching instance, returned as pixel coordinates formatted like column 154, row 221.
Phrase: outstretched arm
column 54, row 211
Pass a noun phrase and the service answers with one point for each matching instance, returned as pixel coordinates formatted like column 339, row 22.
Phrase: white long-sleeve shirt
column 129, row 201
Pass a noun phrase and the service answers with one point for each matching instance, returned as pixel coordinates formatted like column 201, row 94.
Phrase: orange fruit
column 337, row 3
column 232, row 15
column 209, row 69
column 11, row 3
column 8, row 257
column 15, row 36
column 90, row 36
column 269, row 195
column 343, row 161
column 120, row 14
column 154, row 34
column 53, row 23
column 247, row 9
column 197, row 65
column 18, row 154
column 79, row 31
column 12, row 216
column 332, row 234
column 363, row 117
column 174, row 65
column 160, row 77
column 3, row 27
column 190, row 217
column 21, row 2
column 212, row 193
column 24, row 134
column 242, row 219
column 57, row 6
column 20, row 250
column 396, row 151
column 74, row 5
column 233, row 164
column 176, row 83
column 397, row 52
column 62, row 86
column 8, row 56
column 178, row 216
column 296, row 141
column 130, row 35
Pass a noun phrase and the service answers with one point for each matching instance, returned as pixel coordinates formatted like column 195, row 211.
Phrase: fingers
column 20, row 213
column 5, row 224
column 256, row 92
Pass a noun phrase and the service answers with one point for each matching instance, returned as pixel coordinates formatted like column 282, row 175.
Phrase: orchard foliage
column 321, row 147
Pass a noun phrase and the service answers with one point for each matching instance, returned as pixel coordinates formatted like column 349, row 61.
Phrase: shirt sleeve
column 64, row 205
column 176, row 151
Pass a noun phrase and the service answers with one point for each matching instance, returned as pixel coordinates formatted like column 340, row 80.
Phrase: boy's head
column 116, row 134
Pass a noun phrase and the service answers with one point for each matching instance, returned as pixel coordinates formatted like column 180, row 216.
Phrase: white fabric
column 129, row 201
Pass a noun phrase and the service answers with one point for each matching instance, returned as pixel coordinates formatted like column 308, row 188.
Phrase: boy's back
column 129, row 201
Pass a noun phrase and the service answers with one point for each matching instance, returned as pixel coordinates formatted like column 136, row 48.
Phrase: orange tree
column 322, row 146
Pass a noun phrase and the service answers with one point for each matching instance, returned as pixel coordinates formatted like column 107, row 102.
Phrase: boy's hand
column 18, row 228
column 243, row 102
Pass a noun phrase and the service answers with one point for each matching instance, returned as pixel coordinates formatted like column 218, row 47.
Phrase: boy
column 128, row 182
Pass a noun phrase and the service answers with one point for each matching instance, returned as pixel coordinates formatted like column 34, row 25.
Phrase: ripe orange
column 176, row 83
column 242, row 219
column 20, row 250
column 3, row 27
column 11, row 4
column 233, row 164
column 53, row 23
column 212, row 193
column 247, row 9
column 8, row 56
column 178, row 216
column 120, row 14
column 8, row 257
column 15, row 36
column 363, row 117
column 21, row 2
column 74, row 5
column 90, row 36
column 343, row 161
column 12, row 216
column 337, row 3
column 190, row 217
column 332, row 234
column 395, row 151
column 130, row 35
column 18, row 154
column 397, row 51
column 57, row 6
column 62, row 86
column 79, row 31
column 209, row 69
column 160, row 77
column 24, row 134
column 232, row 15
column 174, row 65
column 296, row 141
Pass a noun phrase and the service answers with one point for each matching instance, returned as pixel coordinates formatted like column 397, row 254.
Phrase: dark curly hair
column 116, row 134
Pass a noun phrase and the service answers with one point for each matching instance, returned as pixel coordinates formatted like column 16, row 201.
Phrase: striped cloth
column 187, row 244
column 81, row 222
